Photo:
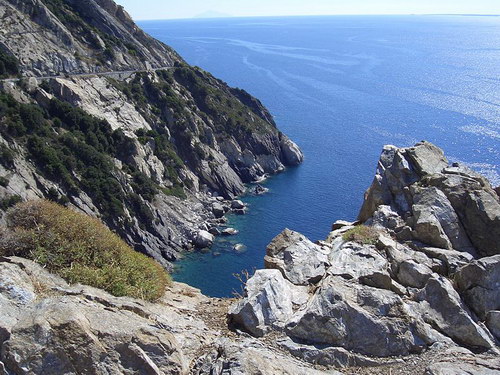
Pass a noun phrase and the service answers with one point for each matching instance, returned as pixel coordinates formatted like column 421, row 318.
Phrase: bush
column 81, row 250
column 362, row 234
column 9, row 201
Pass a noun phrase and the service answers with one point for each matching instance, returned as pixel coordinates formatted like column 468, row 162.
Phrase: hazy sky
column 166, row 9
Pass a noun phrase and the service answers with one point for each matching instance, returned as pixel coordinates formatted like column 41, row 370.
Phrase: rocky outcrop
column 50, row 327
column 407, row 285
column 442, row 205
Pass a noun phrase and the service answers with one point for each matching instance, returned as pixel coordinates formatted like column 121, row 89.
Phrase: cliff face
column 116, row 124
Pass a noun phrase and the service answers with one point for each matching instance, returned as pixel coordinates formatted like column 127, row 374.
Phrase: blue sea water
column 342, row 87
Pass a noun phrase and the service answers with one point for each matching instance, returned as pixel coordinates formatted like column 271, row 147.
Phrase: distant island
column 212, row 14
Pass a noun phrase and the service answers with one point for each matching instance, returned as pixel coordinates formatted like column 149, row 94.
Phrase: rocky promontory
column 418, row 272
column 375, row 297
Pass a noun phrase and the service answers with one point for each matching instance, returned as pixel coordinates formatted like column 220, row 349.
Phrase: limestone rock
column 442, row 307
column 357, row 318
column 300, row 261
column 203, row 239
column 479, row 283
column 493, row 323
column 268, row 303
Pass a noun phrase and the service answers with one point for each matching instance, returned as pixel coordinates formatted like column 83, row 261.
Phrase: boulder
column 412, row 274
column 442, row 307
column 358, row 318
column 385, row 218
column 427, row 159
column 218, row 210
column 451, row 258
column 292, row 155
column 436, row 222
column 237, row 205
column 268, row 303
column 493, row 323
column 299, row 260
column 229, row 232
column 479, row 284
column 353, row 260
column 203, row 239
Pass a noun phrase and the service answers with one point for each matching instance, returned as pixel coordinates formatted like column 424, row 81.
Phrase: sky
column 170, row 9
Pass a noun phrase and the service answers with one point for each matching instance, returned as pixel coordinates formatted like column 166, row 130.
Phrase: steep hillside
column 98, row 115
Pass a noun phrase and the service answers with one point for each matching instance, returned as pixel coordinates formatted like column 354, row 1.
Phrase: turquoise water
column 342, row 87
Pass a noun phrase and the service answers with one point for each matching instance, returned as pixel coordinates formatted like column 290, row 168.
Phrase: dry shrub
column 80, row 249
column 362, row 234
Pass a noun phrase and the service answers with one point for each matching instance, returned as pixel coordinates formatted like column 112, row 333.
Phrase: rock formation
column 418, row 272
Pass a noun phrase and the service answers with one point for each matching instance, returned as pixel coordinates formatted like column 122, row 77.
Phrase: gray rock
column 479, row 283
column 268, row 303
column 342, row 223
column 248, row 357
column 427, row 158
column 357, row 318
column 353, row 260
column 229, row 232
column 292, row 155
column 327, row 356
column 443, row 309
column 385, row 218
column 237, row 204
column 436, row 222
column 203, row 239
column 470, row 367
column 493, row 323
column 413, row 274
column 218, row 210
column 299, row 260
column 452, row 259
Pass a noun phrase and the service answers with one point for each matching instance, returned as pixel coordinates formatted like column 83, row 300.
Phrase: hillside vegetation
column 81, row 250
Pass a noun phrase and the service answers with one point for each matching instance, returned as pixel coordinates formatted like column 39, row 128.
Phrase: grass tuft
column 362, row 234
column 80, row 249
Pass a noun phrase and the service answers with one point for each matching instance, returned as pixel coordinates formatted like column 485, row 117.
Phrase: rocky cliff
column 97, row 115
column 419, row 272
column 364, row 301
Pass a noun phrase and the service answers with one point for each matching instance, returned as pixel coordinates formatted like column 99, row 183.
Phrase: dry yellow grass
column 80, row 249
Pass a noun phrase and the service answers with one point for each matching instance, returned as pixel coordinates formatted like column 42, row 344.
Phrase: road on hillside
column 89, row 75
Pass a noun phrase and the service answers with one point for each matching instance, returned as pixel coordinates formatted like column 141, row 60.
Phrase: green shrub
column 81, row 250
column 362, row 234
column 9, row 65
column 9, row 201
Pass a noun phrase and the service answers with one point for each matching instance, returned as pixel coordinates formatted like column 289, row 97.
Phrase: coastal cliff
column 97, row 115
column 367, row 300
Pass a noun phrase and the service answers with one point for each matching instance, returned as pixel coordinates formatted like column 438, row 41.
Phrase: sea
column 342, row 87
